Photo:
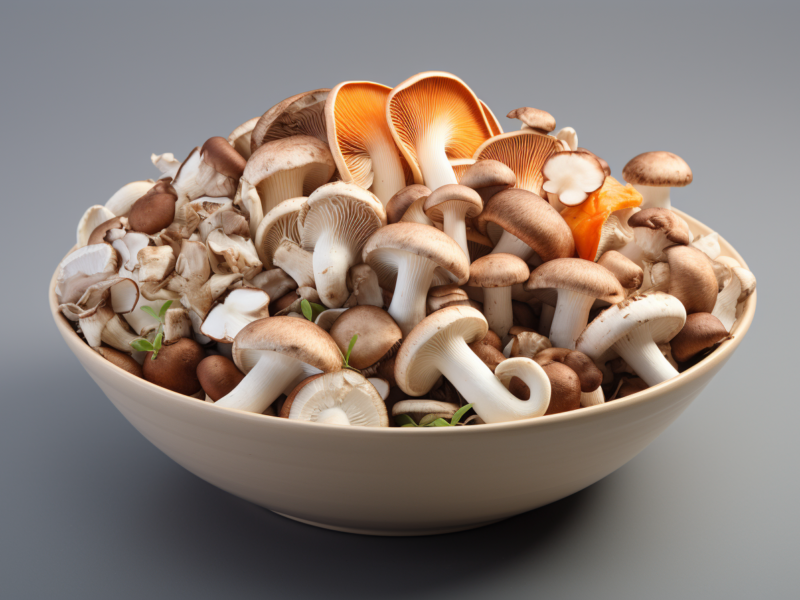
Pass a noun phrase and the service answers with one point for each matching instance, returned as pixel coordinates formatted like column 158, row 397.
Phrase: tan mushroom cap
column 222, row 157
column 576, row 275
column 535, row 118
column 663, row 219
column 302, row 114
column 155, row 210
column 218, row 376
column 377, row 334
column 498, row 270
column 402, row 201
column 277, row 225
column 658, row 169
column 590, row 376
column 692, row 279
column 488, row 177
column 441, row 296
column 241, row 136
column 701, row 331
column 628, row 273
column 453, row 192
column 297, row 338
column 296, row 152
column 524, row 152
column 603, row 163
column 422, row 240
column 532, row 219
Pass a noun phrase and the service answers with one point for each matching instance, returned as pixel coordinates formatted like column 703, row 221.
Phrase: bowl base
column 390, row 532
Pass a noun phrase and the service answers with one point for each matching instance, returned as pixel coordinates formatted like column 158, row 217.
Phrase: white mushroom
column 228, row 318
column 232, row 254
column 339, row 398
column 94, row 216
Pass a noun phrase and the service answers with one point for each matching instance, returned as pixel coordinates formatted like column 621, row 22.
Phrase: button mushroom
column 536, row 119
column 403, row 200
column 496, row 273
column 175, row 368
column 378, row 336
column 700, row 332
column 653, row 174
column 589, row 375
column 218, row 376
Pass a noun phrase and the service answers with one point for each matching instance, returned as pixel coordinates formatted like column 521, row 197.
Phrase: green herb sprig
column 346, row 357
column 433, row 421
column 311, row 310
column 144, row 345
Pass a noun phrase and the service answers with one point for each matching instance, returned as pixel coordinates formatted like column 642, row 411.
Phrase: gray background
column 88, row 509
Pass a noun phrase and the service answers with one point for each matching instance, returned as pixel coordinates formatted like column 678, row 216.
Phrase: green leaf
column 427, row 420
column 404, row 421
column 142, row 345
column 438, row 423
column 157, row 344
column 308, row 312
column 460, row 413
column 164, row 309
column 150, row 312
column 353, row 341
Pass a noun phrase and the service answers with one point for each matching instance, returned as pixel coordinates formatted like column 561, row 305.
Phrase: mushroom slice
column 434, row 117
column 295, row 261
column 240, row 137
column 278, row 225
column 632, row 330
column 572, row 176
column 232, row 254
column 568, row 135
column 91, row 219
column 226, row 218
column 439, row 346
column 736, row 289
column 122, row 201
column 402, row 202
column 276, row 354
column 166, row 163
column 155, row 263
column 337, row 219
column 89, row 260
column 536, row 119
column 103, row 326
column 302, row 114
column 496, row 273
column 653, row 174
column 240, row 307
column 524, row 152
column 129, row 247
column 360, row 139
column 211, row 170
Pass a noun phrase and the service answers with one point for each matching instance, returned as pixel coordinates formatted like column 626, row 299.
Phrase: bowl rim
column 718, row 356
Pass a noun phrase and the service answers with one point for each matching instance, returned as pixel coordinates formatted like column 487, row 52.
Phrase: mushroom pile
column 375, row 256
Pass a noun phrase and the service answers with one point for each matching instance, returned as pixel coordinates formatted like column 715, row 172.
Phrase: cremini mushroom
column 301, row 114
column 538, row 120
column 121, row 360
column 488, row 351
column 627, row 272
column 228, row 318
column 572, row 176
column 496, row 273
column 449, row 294
column 589, row 375
column 402, row 201
column 175, row 367
column 378, row 336
column 488, row 177
column 218, row 376
column 653, row 174
column 451, row 205
column 700, row 332
column 155, row 210
column 123, row 199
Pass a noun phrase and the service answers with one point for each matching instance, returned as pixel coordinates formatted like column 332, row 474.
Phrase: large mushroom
column 653, row 174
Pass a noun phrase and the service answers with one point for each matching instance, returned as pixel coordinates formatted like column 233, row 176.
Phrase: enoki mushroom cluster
column 375, row 256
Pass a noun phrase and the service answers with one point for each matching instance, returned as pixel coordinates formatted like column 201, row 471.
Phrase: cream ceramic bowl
column 401, row 481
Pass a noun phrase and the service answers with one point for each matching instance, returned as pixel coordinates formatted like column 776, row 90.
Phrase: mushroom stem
column 511, row 244
column 388, row 177
column 414, row 278
column 332, row 259
column 454, row 224
column 497, row 309
column 269, row 378
column 593, row 398
column 570, row 318
column 654, row 197
column 117, row 335
column 433, row 161
column 638, row 349
column 333, row 416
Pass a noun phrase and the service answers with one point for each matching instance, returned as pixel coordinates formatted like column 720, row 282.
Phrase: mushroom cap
column 657, row 169
column 296, row 152
column 122, row 360
column 494, row 124
column 453, row 192
column 444, row 295
column 414, row 368
column 490, row 355
column 701, row 331
column 218, row 376
column 377, row 334
column 227, row 318
column 534, row 118
column 436, row 103
column 488, row 177
column 565, row 388
column 590, row 376
column 155, row 210
column 628, row 273
column 402, row 201
column 691, row 278
column 498, row 270
column 222, row 157
column 302, row 114
column 524, row 152
column 663, row 219
column 175, row 367
column 529, row 344
column 532, row 220
column 419, row 408
column 278, row 224
column 575, row 275
column 356, row 213
column 413, row 238
column 241, row 136
column 297, row 338
column 662, row 313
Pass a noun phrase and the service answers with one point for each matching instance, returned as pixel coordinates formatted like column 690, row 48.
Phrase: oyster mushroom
column 653, row 174
column 494, row 124
column 241, row 136
column 232, row 255
column 403, row 200
column 302, row 114
column 736, row 289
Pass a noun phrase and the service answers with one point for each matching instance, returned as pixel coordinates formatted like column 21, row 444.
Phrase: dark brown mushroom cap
column 590, row 376
column 701, row 331
column 377, row 334
column 301, row 114
column 222, row 157
column 603, row 163
column 490, row 355
column 122, row 360
column 175, row 367
column 692, row 279
column 452, row 192
column 155, row 210
column 658, row 169
column 531, row 219
column 534, row 118
column 663, row 219
column 576, row 275
column 628, row 273
column 290, row 336
column 402, row 201
column 218, row 376
column 283, row 302
column 98, row 235
column 565, row 388
column 488, row 177
column 498, row 270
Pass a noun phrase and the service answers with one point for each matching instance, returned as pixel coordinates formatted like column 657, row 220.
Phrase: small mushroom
column 275, row 282
column 241, row 136
column 572, row 176
column 441, row 296
column 365, row 290
column 653, row 174
column 451, row 204
column 212, row 170
column 487, row 350
column 589, row 375
column 232, row 255
column 627, row 272
column 121, row 360
column 228, row 318
column 538, row 120
column 700, row 332
column 488, row 177
column 656, row 229
column 218, row 376
column 496, row 273
column 278, row 225
column 327, row 318
column 403, row 200
column 155, row 263
column 378, row 336
column 175, row 367
column 122, row 201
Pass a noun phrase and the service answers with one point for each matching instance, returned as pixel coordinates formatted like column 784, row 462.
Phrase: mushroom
column 155, row 263
column 213, row 170
column 175, row 367
column 128, row 248
column 737, row 288
column 439, row 346
column 276, row 354
column 403, row 200
column 177, row 325
column 603, row 163
column 225, row 218
column 451, row 204
column 627, row 272
column 123, row 199
column 295, row 261
column 337, row 219
column 278, row 225
column 241, row 136
column 365, row 290
column 302, row 114
column 589, row 375
column 572, row 176
column 631, row 385
column 418, row 409
column 632, row 330
column 166, row 164
column 441, row 296
column 416, row 214
column 573, row 286
column 527, row 344
column 339, row 398
column 700, row 332
column 275, row 282
column 404, row 256
column 433, row 117
column 232, row 254
column 655, row 229
column 494, row 124
column 228, row 318
column 121, row 360
column 360, row 139
column 461, row 166
column 93, row 217
column 488, row 350
column 327, row 318
column 488, row 177
column 155, row 210
column 303, row 293
column 654, row 173
column 691, row 279
column 708, row 244
column 218, row 376
column 565, row 388
column 569, row 136
column 108, row 231
column 538, row 120
column 496, row 273
column 378, row 336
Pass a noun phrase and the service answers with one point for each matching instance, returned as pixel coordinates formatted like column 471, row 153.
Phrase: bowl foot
column 390, row 532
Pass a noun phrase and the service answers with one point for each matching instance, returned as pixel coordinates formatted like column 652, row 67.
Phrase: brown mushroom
column 700, row 332
column 218, row 376
column 175, row 367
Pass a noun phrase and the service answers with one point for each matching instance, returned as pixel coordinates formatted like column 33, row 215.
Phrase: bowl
column 402, row 481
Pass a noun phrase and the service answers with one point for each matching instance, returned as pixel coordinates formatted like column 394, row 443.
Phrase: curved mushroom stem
column 593, row 398
column 511, row 244
column 433, row 161
column 332, row 259
column 333, row 416
column 485, row 391
column 497, row 309
column 642, row 354
column 414, row 277
column 388, row 177
column 546, row 319
column 295, row 262
column 454, row 223
column 654, row 197
column 268, row 379
column 570, row 318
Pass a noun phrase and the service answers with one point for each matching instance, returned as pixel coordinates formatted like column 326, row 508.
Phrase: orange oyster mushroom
column 494, row 124
column 588, row 221
column 524, row 152
column 435, row 117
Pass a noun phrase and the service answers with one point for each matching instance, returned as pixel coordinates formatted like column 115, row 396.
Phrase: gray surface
column 89, row 509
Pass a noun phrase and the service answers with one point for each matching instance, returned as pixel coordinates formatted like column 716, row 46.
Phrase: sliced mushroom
column 228, row 318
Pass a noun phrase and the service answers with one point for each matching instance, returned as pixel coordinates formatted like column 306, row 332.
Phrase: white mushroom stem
column 593, row 398
column 511, row 244
column 654, row 197
column 570, row 318
column 269, row 378
column 388, row 177
column 638, row 349
column 497, row 309
column 295, row 262
column 454, row 224
column 332, row 258
column 546, row 319
column 433, row 161
column 485, row 391
column 414, row 277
